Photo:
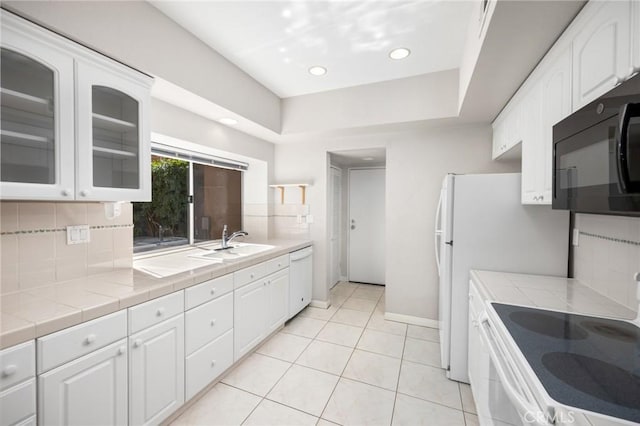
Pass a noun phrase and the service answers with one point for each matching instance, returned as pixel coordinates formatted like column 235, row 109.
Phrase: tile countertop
column 554, row 293
column 27, row 314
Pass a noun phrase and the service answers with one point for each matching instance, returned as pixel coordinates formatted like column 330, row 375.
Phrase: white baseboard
column 425, row 322
column 324, row 304
column 344, row 278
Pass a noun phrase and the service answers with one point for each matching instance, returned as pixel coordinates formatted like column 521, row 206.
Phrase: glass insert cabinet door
column 36, row 120
column 113, row 138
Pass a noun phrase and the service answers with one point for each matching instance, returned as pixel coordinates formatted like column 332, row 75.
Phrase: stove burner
column 548, row 325
column 622, row 333
column 599, row 379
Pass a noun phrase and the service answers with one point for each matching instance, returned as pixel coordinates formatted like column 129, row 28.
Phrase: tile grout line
column 395, row 396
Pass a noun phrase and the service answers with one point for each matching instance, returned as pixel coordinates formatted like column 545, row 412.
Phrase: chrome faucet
column 226, row 240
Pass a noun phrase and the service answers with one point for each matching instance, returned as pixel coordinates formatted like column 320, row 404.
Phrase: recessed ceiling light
column 367, row 158
column 317, row 70
column 286, row 13
column 399, row 53
column 228, row 121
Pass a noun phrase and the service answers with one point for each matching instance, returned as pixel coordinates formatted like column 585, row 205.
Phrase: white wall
column 424, row 97
column 141, row 36
column 417, row 160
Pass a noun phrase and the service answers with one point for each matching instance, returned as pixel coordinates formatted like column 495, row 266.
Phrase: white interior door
column 366, row 225
column 335, row 198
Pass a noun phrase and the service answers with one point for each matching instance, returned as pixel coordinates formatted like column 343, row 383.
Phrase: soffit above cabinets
column 276, row 42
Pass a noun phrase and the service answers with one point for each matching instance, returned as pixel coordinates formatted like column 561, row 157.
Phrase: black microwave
column 596, row 155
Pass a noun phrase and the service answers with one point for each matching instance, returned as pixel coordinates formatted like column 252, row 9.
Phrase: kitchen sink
column 234, row 252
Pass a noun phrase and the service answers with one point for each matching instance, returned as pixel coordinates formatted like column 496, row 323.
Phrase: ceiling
column 366, row 157
column 276, row 42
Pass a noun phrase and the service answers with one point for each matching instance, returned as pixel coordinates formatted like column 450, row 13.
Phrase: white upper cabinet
column 75, row 124
column 507, row 129
column 532, row 147
column 113, row 135
column 635, row 37
column 556, row 105
column 601, row 50
column 36, row 101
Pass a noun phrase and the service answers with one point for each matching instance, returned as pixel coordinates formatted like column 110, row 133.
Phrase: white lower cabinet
column 18, row 404
column 91, row 390
column 250, row 308
column 278, row 289
column 207, row 363
column 156, row 372
column 260, row 308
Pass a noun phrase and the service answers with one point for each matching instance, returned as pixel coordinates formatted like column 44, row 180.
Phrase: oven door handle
column 522, row 405
column 627, row 112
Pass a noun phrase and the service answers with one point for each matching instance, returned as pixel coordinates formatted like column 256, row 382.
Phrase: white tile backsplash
column 33, row 244
column 608, row 255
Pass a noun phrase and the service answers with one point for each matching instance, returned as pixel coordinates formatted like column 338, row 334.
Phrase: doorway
column 356, row 213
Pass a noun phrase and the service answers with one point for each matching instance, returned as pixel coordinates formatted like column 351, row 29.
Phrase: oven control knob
column 636, row 276
column 600, row 108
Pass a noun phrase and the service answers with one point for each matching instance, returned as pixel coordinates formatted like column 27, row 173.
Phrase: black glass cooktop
column 585, row 362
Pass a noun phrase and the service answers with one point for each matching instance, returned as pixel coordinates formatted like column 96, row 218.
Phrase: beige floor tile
column 305, row 389
column 368, row 292
column 381, row 343
column 354, row 403
column 357, row 304
column 411, row 411
column 257, row 374
column 284, row 346
column 471, row 419
column 374, row 369
column 429, row 383
column 340, row 334
column 468, row 404
column 270, row 413
column 325, row 356
column 424, row 333
column 338, row 300
column 377, row 322
column 318, row 313
column 223, row 405
column 422, row 351
column 351, row 317
column 305, row 327
column 323, row 422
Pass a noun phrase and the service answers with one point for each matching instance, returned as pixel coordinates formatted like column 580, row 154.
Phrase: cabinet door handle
column 213, row 322
column 9, row 370
column 66, row 192
column 213, row 363
column 541, row 198
column 122, row 350
column 251, row 276
column 90, row 339
column 137, row 343
column 213, row 290
column 160, row 312
column 84, row 193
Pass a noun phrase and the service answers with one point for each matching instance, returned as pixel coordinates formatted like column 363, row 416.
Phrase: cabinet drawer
column 155, row 311
column 66, row 345
column 18, row 404
column 208, row 290
column 208, row 363
column 17, row 363
column 274, row 265
column 247, row 275
column 207, row 322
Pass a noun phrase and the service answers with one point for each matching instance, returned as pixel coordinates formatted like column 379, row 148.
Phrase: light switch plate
column 78, row 234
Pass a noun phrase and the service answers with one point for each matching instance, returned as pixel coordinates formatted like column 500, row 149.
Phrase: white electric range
column 543, row 366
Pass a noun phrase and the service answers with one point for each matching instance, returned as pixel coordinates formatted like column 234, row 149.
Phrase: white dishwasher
column 300, row 279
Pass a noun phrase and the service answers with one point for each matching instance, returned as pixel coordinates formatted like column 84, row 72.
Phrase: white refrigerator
column 481, row 224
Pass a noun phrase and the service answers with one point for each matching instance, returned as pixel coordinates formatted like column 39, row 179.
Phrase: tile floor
column 344, row 365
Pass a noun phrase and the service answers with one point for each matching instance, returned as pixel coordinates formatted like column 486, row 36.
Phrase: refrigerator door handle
column 438, row 233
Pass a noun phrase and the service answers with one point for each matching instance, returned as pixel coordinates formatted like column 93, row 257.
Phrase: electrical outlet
column 576, row 237
column 309, row 218
column 78, row 234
